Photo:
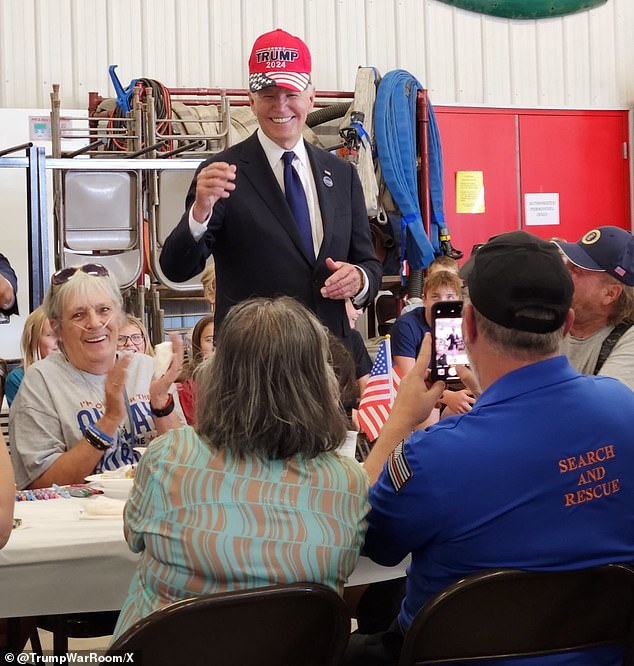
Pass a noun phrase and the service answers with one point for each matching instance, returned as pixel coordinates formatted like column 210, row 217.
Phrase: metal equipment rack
column 152, row 165
column 150, row 170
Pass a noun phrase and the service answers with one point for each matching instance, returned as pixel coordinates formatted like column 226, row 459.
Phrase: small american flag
column 378, row 396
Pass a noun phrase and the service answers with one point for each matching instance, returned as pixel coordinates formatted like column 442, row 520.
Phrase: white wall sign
column 541, row 208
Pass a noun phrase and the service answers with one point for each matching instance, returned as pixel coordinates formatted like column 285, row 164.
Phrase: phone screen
column 449, row 349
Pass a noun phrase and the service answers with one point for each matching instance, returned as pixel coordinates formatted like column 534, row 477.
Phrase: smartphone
column 448, row 350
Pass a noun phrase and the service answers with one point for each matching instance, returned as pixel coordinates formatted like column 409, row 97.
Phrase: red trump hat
column 279, row 59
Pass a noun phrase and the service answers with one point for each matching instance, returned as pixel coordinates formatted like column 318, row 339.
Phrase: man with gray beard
column 601, row 340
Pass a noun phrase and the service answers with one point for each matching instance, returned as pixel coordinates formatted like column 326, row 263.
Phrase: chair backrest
column 386, row 312
column 171, row 187
column 509, row 613
column 4, row 424
column 301, row 624
column 4, row 413
column 99, row 217
column 4, row 371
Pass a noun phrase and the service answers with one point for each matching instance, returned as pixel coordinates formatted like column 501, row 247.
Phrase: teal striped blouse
column 205, row 521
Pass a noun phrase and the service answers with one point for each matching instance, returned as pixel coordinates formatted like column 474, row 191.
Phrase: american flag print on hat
column 279, row 59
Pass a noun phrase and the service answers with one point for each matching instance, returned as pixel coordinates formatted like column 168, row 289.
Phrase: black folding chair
column 387, row 311
column 301, row 624
column 76, row 625
column 509, row 613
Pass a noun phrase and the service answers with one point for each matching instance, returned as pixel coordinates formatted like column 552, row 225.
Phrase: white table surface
column 60, row 560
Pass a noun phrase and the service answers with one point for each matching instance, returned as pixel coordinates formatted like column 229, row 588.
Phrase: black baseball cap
column 605, row 249
column 518, row 270
column 465, row 269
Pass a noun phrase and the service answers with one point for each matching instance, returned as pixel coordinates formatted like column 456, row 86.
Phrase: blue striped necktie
column 296, row 198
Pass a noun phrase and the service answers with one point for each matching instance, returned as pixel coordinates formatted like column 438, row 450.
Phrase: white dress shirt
column 301, row 164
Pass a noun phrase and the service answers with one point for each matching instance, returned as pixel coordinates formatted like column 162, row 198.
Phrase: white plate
column 118, row 488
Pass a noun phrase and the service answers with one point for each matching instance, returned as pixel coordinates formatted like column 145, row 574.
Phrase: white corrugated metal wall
column 580, row 61
column 585, row 60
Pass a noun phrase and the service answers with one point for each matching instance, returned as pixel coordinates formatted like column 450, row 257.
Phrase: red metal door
column 479, row 140
column 582, row 155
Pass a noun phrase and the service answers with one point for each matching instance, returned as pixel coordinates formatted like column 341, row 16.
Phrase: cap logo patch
column 619, row 270
column 591, row 237
column 274, row 54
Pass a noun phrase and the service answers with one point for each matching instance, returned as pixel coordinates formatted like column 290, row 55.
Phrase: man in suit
column 237, row 208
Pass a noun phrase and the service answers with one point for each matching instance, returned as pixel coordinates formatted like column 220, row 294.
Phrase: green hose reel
column 526, row 9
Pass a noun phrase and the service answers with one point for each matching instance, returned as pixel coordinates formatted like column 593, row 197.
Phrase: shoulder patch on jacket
column 398, row 468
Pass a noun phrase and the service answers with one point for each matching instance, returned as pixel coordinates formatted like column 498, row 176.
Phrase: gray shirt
column 56, row 402
column 584, row 352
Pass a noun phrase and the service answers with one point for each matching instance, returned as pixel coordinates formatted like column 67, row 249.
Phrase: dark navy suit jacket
column 256, row 246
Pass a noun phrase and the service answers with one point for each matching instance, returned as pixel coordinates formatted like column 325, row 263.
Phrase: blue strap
column 123, row 94
column 395, row 133
column 366, row 142
column 435, row 181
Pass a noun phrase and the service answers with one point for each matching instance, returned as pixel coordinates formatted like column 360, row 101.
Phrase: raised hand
column 213, row 182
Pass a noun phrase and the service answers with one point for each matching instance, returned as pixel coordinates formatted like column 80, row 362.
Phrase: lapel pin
column 328, row 180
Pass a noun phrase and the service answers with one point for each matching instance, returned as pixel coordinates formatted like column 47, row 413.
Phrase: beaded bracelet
column 102, row 434
column 97, row 439
column 166, row 410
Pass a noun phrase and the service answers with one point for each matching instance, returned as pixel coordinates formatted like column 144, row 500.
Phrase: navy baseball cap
column 517, row 271
column 605, row 249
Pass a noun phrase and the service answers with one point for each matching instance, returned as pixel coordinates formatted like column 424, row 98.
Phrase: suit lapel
column 256, row 168
column 321, row 175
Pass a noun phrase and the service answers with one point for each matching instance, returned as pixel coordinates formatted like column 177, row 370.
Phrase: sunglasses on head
column 65, row 274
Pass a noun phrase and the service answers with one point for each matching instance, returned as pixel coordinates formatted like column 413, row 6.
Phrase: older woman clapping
column 84, row 410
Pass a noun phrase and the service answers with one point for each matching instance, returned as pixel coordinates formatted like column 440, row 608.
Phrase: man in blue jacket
column 539, row 475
